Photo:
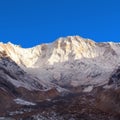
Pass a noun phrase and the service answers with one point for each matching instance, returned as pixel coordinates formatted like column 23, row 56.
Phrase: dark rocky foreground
column 100, row 104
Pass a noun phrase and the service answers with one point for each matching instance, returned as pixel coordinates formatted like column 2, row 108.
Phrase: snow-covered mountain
column 70, row 61
column 69, row 65
column 62, row 50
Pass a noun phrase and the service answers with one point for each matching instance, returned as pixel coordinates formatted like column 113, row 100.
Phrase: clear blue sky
column 31, row 22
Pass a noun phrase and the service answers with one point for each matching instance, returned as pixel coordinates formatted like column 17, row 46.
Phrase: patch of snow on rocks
column 23, row 102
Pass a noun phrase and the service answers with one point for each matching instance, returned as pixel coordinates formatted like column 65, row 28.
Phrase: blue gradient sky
column 31, row 22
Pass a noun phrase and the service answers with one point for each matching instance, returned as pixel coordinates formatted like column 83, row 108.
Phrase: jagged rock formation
column 71, row 65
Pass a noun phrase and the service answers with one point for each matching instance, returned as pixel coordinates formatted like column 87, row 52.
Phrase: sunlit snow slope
column 67, row 62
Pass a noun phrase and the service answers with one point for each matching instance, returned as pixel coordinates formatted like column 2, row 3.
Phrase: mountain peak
column 62, row 50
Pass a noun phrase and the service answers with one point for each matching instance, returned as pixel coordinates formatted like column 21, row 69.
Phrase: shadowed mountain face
column 71, row 78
